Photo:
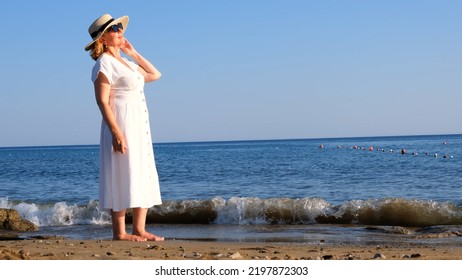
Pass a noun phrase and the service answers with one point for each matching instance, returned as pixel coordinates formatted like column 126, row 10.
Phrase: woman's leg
column 118, row 227
column 139, row 225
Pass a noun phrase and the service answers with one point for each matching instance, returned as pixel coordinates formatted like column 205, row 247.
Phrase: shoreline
column 55, row 248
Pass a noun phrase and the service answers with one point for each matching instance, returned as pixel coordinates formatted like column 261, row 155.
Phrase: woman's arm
column 148, row 70
column 102, row 91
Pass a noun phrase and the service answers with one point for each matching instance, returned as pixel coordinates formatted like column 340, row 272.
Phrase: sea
column 366, row 190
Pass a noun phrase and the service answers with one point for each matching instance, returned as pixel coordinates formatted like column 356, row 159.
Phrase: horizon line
column 241, row 140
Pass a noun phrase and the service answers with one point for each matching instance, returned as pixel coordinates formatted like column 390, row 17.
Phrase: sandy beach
column 63, row 249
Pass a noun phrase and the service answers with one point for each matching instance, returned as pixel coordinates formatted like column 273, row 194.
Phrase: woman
column 128, row 175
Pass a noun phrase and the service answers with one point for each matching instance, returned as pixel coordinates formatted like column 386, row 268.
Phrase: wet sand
column 65, row 249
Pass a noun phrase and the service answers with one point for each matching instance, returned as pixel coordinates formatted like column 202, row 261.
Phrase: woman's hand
column 149, row 72
column 128, row 48
column 118, row 143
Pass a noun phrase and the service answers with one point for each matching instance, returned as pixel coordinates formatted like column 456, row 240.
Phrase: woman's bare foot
column 149, row 236
column 128, row 237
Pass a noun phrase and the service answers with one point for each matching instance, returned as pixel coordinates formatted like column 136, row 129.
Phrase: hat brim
column 122, row 19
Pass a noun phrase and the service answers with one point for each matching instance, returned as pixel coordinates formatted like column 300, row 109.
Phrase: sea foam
column 254, row 210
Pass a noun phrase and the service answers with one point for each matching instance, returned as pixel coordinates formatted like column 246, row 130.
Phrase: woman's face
column 113, row 37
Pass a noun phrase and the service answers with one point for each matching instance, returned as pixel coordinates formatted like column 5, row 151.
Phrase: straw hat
column 101, row 24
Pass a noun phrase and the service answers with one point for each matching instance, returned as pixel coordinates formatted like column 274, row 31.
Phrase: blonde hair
column 97, row 50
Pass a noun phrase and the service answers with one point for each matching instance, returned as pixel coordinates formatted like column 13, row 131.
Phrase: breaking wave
column 252, row 210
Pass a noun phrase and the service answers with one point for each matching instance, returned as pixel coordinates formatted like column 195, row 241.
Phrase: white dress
column 127, row 180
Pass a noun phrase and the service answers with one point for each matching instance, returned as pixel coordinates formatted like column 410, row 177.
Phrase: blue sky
column 238, row 70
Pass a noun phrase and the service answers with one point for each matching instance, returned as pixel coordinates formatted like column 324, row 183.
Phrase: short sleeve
column 104, row 66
